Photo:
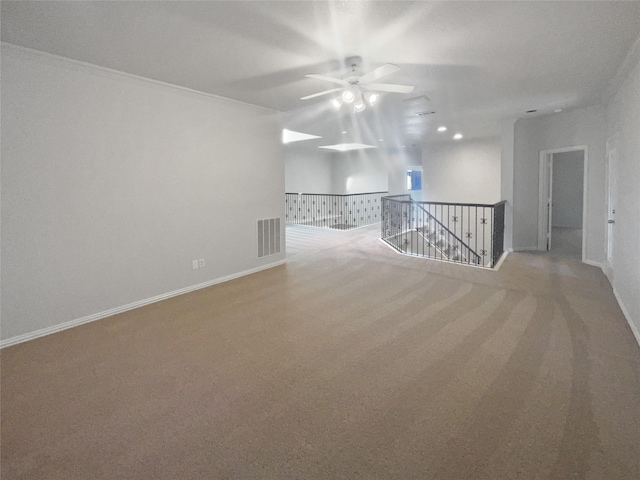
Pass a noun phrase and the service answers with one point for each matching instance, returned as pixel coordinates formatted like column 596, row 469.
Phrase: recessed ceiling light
column 344, row 147
column 442, row 129
column 344, row 131
column 381, row 139
column 457, row 136
column 557, row 110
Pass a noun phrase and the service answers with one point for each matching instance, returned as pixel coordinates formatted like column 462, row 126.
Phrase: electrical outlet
column 194, row 264
column 201, row 263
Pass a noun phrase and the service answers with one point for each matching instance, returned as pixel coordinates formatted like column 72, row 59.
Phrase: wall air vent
column 268, row 237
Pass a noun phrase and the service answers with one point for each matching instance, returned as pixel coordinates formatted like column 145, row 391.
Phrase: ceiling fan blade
column 327, row 79
column 387, row 87
column 326, row 92
column 379, row 72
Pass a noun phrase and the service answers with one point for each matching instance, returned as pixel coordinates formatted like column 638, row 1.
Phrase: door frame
column 545, row 190
column 610, row 203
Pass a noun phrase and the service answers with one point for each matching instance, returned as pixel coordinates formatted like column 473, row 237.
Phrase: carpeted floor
column 349, row 362
column 566, row 242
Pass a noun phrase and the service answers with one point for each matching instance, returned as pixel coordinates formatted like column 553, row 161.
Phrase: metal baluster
column 461, row 247
column 493, row 237
column 441, row 218
column 484, row 226
column 432, row 254
column 473, row 246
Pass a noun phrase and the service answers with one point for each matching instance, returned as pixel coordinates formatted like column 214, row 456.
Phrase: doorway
column 414, row 182
column 562, row 199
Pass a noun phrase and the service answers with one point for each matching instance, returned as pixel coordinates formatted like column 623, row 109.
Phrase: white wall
column 111, row 185
column 311, row 170
column 623, row 120
column 507, row 147
column 308, row 170
column 465, row 171
column 567, row 189
column 581, row 127
column 360, row 171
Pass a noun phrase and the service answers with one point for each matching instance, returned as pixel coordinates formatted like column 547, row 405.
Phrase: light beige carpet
column 566, row 242
column 350, row 362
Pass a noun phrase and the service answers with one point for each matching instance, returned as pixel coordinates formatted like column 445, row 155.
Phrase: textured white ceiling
column 473, row 63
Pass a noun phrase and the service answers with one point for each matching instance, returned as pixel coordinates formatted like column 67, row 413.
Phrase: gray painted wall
column 507, row 147
column 568, row 177
column 111, row 185
column 466, row 171
column 623, row 119
column 360, row 171
column 586, row 126
column 308, row 170
column 311, row 170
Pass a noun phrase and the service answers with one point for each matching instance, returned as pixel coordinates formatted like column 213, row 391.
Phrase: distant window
column 414, row 179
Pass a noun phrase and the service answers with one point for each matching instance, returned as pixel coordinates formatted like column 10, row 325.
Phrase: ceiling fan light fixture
column 358, row 103
column 348, row 96
column 372, row 98
column 360, row 90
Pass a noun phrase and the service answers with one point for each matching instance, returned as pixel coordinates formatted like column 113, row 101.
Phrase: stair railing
column 340, row 212
column 452, row 246
column 455, row 232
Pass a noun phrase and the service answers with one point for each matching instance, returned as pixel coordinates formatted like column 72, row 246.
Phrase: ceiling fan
column 359, row 89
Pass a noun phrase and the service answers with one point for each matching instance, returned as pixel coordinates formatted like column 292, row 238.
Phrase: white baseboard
column 141, row 303
column 526, row 249
column 501, row 260
column 625, row 312
column 600, row 265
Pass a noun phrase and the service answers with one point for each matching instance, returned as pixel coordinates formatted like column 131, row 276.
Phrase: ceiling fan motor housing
column 353, row 62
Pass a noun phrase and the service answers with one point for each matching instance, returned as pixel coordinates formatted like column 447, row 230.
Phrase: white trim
column 109, row 72
column 526, row 249
column 543, row 198
column 124, row 308
column 629, row 62
column 542, row 233
column 500, row 260
column 585, row 201
column 627, row 316
column 593, row 263
column 611, row 147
